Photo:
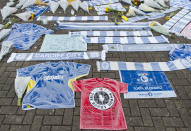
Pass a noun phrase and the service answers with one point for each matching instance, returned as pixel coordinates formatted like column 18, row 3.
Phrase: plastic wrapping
column 101, row 106
column 37, row 10
column 5, row 48
column 23, row 36
column 161, row 2
column 63, row 4
column 115, row 6
column 127, row 1
column 131, row 12
column 53, row 84
column 4, row 33
column 20, row 87
column 157, row 27
column 7, row 11
column 152, row 3
column 75, row 4
column 25, row 15
column 84, row 6
column 28, row 3
column 53, row 6
column 1, row 26
column 21, row 3
column 10, row 3
column 146, row 8
column 183, row 52
column 137, row 11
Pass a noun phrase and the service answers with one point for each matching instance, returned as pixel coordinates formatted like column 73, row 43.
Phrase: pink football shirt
column 101, row 104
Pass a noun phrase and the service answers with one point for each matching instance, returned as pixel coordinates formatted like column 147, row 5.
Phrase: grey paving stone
column 29, row 116
column 37, row 122
column 8, row 109
column 20, row 128
column 172, row 114
column 147, row 103
column 146, row 116
column 45, row 112
column 134, row 108
column 76, row 123
column 183, row 129
column 134, row 121
column 158, row 122
column 52, row 120
column 13, row 119
column 59, row 111
column 67, row 118
column 4, row 127
column 2, row 118
column 170, row 129
column 5, row 101
column 61, row 128
column 171, row 106
column 173, row 122
column 185, row 117
column 45, row 128
column 144, row 129
column 159, row 112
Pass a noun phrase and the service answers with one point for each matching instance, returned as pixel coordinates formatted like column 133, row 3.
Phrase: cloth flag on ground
column 146, row 84
column 62, row 43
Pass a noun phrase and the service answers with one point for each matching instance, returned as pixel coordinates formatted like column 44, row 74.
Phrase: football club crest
column 101, row 98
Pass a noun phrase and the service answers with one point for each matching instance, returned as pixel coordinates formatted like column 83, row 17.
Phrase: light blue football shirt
column 52, row 88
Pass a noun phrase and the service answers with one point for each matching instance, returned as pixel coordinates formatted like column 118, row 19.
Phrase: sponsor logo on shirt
column 101, row 98
column 53, row 77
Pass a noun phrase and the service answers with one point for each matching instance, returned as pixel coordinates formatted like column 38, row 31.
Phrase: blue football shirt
column 52, row 89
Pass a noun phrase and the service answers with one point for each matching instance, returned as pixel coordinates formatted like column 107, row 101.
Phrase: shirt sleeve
column 123, row 87
column 77, row 85
column 24, row 72
column 82, row 69
column 31, row 70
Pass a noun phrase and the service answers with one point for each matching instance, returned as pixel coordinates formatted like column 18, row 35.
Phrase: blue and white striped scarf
column 112, row 33
column 137, row 48
column 56, row 56
column 177, row 64
column 169, row 24
column 72, row 18
column 103, row 26
column 179, row 26
column 180, row 59
column 186, row 4
column 127, row 40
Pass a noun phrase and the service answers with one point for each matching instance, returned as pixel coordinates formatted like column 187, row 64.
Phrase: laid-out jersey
column 53, row 88
column 101, row 104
